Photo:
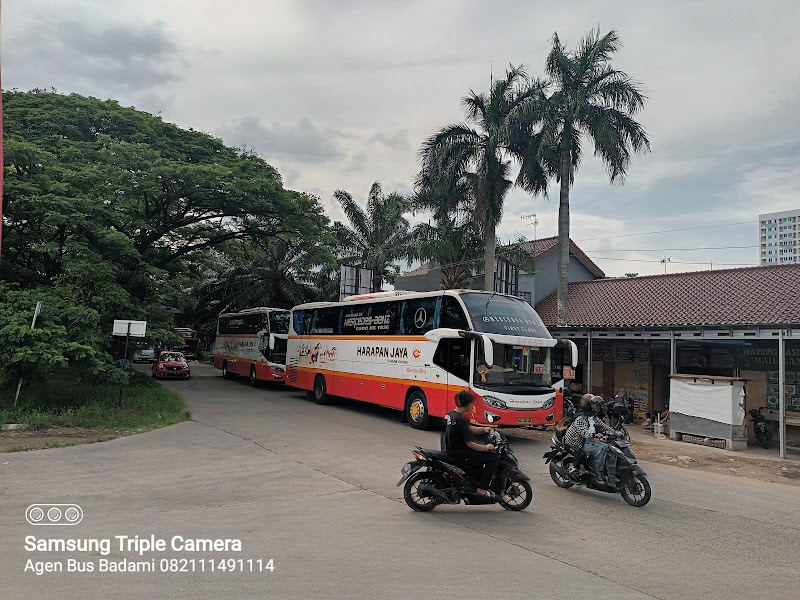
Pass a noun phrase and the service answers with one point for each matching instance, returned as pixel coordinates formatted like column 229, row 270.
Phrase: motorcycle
column 631, row 482
column 433, row 479
column 760, row 426
column 615, row 415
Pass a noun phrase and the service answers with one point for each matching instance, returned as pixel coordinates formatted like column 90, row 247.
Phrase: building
column 780, row 238
column 534, row 286
column 634, row 333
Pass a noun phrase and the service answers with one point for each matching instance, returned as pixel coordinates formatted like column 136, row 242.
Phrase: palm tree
column 456, row 247
column 477, row 159
column 589, row 100
column 376, row 238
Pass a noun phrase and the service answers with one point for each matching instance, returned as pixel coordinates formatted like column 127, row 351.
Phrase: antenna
column 664, row 261
column 535, row 222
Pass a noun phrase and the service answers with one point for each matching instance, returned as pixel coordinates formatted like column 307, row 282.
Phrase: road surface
column 313, row 488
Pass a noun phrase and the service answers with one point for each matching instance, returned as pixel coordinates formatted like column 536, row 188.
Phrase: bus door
column 450, row 372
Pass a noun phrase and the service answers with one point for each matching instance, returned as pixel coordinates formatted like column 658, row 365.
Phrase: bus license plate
column 524, row 421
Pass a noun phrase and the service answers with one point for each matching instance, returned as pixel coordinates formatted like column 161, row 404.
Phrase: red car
column 171, row 365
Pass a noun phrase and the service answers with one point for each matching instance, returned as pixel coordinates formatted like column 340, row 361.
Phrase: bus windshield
column 496, row 313
column 279, row 321
column 514, row 366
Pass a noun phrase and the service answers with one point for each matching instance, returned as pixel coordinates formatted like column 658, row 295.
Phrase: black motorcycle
column 615, row 415
column 760, row 426
column 631, row 482
column 433, row 479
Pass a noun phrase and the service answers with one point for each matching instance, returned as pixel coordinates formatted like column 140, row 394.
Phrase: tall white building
column 780, row 238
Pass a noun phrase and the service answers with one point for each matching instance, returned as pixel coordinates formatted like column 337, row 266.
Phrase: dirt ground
column 687, row 456
column 12, row 441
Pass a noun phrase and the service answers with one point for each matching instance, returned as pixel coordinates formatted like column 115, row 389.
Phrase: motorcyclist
column 586, row 434
column 462, row 447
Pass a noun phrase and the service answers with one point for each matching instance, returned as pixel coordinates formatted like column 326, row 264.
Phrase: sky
column 338, row 94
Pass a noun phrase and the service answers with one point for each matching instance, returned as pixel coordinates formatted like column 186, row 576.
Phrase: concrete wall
column 429, row 282
column 547, row 274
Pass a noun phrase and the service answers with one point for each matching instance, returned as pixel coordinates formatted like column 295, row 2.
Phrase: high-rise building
column 780, row 238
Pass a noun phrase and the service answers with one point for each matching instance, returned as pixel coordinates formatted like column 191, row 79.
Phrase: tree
column 477, row 159
column 589, row 100
column 457, row 248
column 115, row 213
column 376, row 238
column 631, row 274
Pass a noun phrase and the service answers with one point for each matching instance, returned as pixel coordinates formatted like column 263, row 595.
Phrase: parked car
column 171, row 365
column 145, row 355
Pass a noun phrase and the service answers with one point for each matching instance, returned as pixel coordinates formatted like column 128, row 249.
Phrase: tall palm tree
column 589, row 100
column 376, row 238
column 477, row 157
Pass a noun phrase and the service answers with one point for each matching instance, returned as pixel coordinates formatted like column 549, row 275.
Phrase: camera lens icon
column 54, row 514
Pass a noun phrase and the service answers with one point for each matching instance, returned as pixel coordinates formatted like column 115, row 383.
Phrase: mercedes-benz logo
column 420, row 317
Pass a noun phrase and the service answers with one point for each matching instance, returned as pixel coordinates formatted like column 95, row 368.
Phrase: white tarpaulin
column 718, row 401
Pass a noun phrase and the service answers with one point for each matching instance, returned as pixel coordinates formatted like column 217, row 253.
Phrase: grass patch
column 60, row 401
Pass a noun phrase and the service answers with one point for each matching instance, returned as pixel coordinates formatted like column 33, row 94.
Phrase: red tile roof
column 755, row 295
column 539, row 248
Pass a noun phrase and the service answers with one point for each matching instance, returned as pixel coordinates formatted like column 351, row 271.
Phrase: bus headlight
column 494, row 402
column 548, row 403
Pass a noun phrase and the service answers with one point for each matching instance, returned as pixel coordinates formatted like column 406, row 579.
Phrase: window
column 418, row 316
column 382, row 318
column 242, row 324
column 279, row 322
column 299, row 321
column 454, row 357
column 326, row 321
column 453, row 316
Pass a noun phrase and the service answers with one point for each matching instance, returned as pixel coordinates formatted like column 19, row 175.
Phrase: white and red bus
column 414, row 351
column 252, row 343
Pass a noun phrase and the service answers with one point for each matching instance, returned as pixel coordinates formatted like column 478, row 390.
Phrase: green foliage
column 62, row 400
column 456, row 248
column 376, row 237
column 112, row 213
column 65, row 334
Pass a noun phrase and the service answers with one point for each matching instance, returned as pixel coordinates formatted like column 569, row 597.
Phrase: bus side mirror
column 488, row 351
column 572, row 349
column 272, row 341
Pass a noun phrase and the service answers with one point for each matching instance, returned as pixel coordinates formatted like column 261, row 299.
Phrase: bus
column 414, row 351
column 191, row 342
column 252, row 343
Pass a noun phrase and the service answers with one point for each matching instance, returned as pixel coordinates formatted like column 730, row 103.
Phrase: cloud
column 300, row 141
column 131, row 61
column 394, row 141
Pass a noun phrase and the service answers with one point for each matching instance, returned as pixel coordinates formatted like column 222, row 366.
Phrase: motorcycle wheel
column 625, row 435
column 765, row 442
column 411, row 493
column 558, row 479
column 516, row 496
column 636, row 490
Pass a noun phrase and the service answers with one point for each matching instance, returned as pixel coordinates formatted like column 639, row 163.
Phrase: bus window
column 299, row 322
column 453, row 316
column 386, row 318
column 453, row 356
column 326, row 321
column 418, row 316
column 279, row 322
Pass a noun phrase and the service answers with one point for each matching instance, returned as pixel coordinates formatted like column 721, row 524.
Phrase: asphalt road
column 313, row 488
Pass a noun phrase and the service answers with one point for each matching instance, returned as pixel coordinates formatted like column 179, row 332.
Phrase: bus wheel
column 225, row 372
column 253, row 378
column 320, row 391
column 417, row 410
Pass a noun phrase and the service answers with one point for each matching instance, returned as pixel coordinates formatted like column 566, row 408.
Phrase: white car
column 145, row 355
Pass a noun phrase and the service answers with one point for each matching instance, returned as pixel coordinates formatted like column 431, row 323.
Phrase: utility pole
column 664, row 261
column 33, row 326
